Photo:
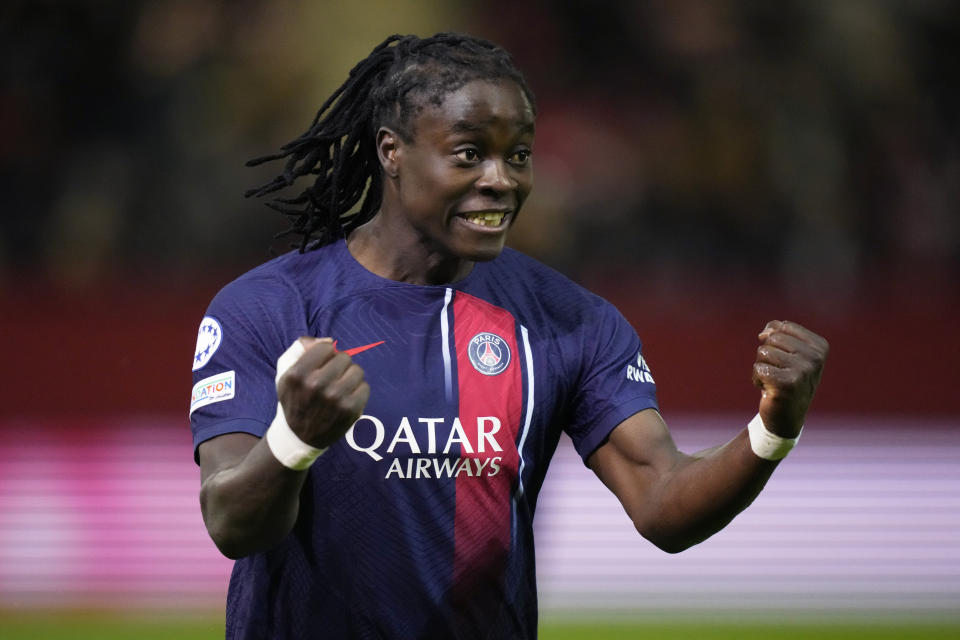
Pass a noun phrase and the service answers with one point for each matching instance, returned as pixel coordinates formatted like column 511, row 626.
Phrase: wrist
column 287, row 447
column 766, row 444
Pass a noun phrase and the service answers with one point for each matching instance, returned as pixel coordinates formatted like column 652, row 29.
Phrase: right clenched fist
column 322, row 394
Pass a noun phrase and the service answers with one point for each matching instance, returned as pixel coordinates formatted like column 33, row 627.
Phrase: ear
column 388, row 144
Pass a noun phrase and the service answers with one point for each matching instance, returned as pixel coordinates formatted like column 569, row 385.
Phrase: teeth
column 486, row 219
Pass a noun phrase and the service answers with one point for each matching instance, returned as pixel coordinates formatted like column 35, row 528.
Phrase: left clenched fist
column 787, row 371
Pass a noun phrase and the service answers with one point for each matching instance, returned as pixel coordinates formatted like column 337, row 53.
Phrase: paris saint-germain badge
column 489, row 354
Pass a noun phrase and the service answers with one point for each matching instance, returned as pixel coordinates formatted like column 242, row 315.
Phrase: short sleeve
column 615, row 381
column 247, row 326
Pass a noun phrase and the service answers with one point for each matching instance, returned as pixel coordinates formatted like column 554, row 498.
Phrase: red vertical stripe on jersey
column 482, row 522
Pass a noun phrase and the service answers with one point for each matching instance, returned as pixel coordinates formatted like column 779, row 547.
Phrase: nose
column 496, row 178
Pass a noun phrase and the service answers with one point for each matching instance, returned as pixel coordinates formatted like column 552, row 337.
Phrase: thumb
column 293, row 353
column 309, row 341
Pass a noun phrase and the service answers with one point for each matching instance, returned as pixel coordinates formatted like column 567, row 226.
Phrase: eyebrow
column 469, row 126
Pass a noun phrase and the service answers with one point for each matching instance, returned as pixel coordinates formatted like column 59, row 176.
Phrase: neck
column 396, row 254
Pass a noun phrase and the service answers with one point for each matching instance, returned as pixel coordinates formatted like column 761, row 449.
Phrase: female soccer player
column 374, row 413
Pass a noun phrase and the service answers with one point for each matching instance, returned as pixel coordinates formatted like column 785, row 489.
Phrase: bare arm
column 248, row 499
column 677, row 500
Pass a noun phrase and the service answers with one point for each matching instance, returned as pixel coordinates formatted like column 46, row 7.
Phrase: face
column 459, row 184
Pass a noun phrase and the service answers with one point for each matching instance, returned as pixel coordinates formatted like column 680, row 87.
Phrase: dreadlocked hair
column 387, row 88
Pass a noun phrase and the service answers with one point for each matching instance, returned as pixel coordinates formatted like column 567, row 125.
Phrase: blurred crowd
column 815, row 142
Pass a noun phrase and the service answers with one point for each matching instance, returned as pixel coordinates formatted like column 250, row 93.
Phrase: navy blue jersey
column 418, row 523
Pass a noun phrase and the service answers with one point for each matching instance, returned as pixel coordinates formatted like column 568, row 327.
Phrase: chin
column 484, row 253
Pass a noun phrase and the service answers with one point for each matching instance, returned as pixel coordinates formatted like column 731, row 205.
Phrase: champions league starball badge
column 489, row 354
column 208, row 340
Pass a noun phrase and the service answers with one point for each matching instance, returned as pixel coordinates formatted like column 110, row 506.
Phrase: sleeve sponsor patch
column 640, row 372
column 209, row 338
column 213, row 389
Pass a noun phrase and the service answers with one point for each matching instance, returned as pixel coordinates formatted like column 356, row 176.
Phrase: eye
column 520, row 157
column 468, row 155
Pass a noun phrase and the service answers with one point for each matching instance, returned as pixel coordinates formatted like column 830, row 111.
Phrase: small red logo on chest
column 355, row 350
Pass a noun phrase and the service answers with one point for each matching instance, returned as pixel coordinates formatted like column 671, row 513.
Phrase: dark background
column 705, row 165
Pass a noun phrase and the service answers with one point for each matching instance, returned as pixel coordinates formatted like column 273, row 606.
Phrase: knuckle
column 324, row 347
column 363, row 394
column 811, row 366
column 792, row 378
column 312, row 386
column 331, row 395
column 291, row 380
column 784, row 341
column 356, row 408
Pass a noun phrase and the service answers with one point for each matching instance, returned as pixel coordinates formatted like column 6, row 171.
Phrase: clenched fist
column 787, row 370
column 322, row 393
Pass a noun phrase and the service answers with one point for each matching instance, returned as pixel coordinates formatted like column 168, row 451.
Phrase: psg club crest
column 489, row 354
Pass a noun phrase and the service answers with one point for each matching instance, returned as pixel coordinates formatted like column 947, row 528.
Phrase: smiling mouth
column 485, row 218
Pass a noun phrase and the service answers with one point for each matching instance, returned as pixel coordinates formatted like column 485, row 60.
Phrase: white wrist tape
column 767, row 445
column 286, row 446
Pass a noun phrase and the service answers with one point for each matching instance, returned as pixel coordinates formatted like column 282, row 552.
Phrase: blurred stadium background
column 706, row 165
